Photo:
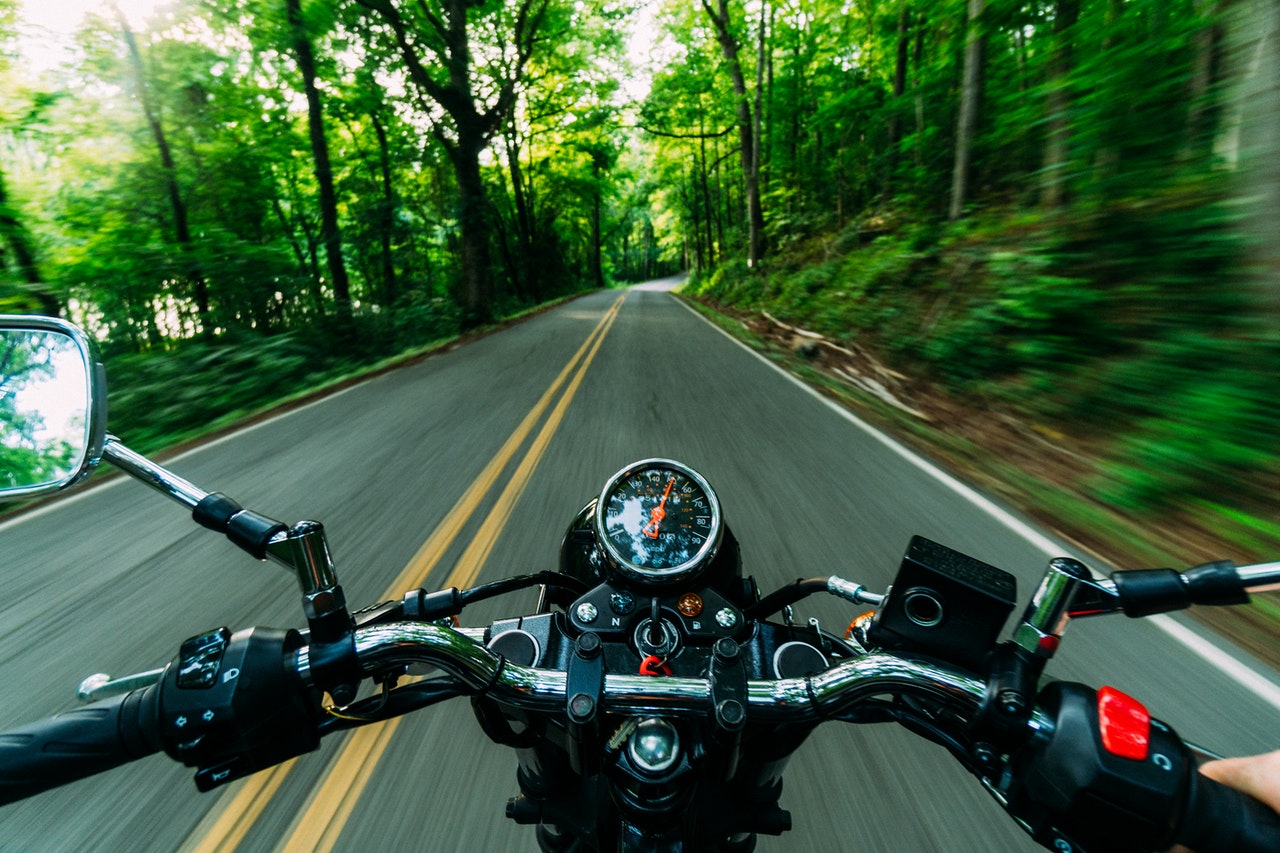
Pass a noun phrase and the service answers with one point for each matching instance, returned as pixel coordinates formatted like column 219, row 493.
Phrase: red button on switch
column 1125, row 724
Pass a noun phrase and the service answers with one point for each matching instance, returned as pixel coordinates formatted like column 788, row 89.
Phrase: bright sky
column 48, row 24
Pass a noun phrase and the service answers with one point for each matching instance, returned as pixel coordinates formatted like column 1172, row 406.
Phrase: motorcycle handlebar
column 77, row 743
column 1214, row 817
column 84, row 741
column 1222, row 818
column 821, row 696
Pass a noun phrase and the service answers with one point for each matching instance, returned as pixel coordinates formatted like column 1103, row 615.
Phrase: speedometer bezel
column 648, row 574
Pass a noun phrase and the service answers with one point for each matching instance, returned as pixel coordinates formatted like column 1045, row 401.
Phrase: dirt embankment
column 1042, row 472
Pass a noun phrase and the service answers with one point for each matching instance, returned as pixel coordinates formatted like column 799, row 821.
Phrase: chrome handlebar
column 462, row 654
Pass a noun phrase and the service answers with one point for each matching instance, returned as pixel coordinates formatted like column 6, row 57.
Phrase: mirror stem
column 141, row 468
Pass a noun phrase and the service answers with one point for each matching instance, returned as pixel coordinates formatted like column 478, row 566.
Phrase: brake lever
column 102, row 686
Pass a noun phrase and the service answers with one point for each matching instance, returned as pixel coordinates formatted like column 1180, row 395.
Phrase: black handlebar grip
column 1219, row 819
column 77, row 743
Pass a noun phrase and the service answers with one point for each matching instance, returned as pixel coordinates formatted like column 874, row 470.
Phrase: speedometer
column 658, row 520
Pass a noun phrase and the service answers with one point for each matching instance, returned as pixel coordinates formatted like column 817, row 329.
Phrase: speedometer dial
column 658, row 520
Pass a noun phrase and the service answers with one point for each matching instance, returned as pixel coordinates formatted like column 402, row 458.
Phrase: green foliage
column 1118, row 300
column 1011, row 314
column 1130, row 320
column 154, row 399
column 1214, row 433
column 157, row 398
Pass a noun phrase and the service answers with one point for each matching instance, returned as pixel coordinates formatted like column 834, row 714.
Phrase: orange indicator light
column 690, row 604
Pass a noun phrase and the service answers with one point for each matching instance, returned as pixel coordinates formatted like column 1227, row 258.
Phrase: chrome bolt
column 654, row 746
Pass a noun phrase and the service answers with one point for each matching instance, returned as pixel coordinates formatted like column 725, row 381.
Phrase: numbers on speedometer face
column 659, row 518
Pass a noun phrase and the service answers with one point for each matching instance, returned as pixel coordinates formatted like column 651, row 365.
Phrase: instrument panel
column 659, row 521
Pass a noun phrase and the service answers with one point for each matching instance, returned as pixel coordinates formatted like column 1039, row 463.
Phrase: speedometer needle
column 659, row 513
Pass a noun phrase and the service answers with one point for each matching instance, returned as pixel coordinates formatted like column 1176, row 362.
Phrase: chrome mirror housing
column 52, row 406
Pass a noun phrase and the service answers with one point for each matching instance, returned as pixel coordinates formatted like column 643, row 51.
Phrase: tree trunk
column 1251, row 143
column 387, row 211
column 597, row 247
column 970, row 107
column 330, row 234
column 746, row 135
column 917, row 57
column 692, row 201
column 1057, row 150
column 475, row 227
column 899, row 88
column 758, row 117
column 528, row 273
column 769, row 133
column 707, row 207
column 1207, row 44
column 14, row 234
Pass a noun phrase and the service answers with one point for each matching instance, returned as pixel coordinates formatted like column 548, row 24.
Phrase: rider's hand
column 1256, row 775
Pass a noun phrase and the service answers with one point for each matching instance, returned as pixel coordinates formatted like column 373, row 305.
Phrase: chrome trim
column 640, row 694
column 95, row 400
column 1264, row 577
column 827, row 694
column 854, row 593
column 157, row 477
column 1067, row 591
column 654, row 746
column 642, row 574
column 304, row 549
column 842, row 686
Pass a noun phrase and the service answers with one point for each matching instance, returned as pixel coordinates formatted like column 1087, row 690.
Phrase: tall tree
column 1057, row 144
column 748, row 131
column 330, row 232
column 970, row 106
column 1251, row 144
column 17, row 238
column 177, row 203
column 899, row 86
column 435, row 42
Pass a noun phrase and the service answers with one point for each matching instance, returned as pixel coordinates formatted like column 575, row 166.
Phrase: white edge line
column 1249, row 678
column 1246, row 676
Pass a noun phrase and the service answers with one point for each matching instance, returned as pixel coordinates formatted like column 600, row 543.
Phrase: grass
column 1198, row 531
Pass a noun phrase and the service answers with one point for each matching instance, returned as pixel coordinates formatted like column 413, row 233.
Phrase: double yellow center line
column 319, row 823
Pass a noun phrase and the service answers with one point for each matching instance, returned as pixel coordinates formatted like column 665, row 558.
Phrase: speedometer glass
column 658, row 520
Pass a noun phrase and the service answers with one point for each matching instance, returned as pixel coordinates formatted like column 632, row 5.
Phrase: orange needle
column 659, row 513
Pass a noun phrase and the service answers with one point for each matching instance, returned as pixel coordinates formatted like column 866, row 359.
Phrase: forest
column 1063, row 209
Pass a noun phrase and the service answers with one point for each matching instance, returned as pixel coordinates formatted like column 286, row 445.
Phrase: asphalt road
column 114, row 578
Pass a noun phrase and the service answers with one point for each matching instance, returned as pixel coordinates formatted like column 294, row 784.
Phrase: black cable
column 778, row 599
column 552, row 579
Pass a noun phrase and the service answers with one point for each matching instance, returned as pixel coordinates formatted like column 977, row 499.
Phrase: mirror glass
column 45, row 410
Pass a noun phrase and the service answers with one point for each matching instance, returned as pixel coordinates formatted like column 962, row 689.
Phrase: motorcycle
column 654, row 697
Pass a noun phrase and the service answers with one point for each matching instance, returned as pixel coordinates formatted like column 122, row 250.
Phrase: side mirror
column 52, row 406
